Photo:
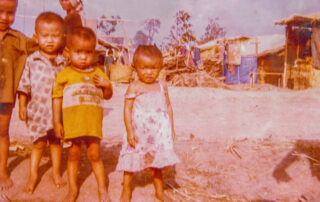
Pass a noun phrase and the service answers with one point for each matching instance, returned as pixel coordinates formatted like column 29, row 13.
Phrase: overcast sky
column 238, row 17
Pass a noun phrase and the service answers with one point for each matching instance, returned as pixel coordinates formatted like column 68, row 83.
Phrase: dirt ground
column 245, row 144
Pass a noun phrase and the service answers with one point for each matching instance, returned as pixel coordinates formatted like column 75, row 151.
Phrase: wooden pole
column 299, row 69
column 257, row 48
column 175, row 54
column 257, row 55
column 285, row 59
column 298, row 49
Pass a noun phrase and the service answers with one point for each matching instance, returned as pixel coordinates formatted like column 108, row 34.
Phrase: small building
column 302, row 51
column 236, row 57
column 257, row 59
column 271, row 59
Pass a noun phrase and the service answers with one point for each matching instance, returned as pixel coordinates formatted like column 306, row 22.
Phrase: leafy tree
column 213, row 30
column 108, row 25
column 141, row 38
column 181, row 32
column 152, row 27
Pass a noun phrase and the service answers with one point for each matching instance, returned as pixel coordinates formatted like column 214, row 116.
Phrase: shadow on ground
column 309, row 149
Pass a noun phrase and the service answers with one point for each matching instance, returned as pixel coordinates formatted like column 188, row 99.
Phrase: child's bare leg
column 126, row 190
column 5, row 181
column 36, row 154
column 74, row 154
column 158, row 185
column 55, row 150
column 93, row 153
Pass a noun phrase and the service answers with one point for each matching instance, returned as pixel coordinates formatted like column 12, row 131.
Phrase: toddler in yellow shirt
column 78, row 94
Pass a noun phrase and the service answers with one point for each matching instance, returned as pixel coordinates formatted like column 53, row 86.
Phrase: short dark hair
column 16, row 1
column 148, row 51
column 49, row 17
column 83, row 33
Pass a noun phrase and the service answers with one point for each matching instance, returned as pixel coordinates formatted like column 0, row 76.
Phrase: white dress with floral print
column 152, row 127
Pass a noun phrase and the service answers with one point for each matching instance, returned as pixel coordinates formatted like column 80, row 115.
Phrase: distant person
column 307, row 52
column 78, row 96
column 125, row 56
column 196, row 56
column 188, row 59
column 148, row 118
column 73, row 18
column 120, row 60
column 108, row 61
column 36, row 83
column 14, row 48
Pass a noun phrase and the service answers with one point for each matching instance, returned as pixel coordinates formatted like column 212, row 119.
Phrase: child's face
column 148, row 69
column 82, row 53
column 50, row 37
column 7, row 13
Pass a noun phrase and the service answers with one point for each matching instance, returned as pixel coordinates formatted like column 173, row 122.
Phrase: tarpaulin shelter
column 302, row 51
column 240, row 62
column 236, row 56
column 261, row 58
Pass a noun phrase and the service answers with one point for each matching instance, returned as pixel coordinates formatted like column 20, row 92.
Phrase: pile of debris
column 199, row 78
column 181, row 72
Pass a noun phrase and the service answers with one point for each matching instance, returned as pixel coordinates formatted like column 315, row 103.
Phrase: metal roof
column 300, row 20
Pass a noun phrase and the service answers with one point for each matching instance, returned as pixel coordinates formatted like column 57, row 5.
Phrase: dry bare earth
column 234, row 146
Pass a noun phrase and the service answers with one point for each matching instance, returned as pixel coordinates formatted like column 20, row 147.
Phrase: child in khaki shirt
column 14, row 48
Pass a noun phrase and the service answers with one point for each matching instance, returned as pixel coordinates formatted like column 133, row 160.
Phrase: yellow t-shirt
column 82, row 102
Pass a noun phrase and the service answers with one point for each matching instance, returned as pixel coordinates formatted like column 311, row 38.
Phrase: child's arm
column 128, row 104
column 105, row 84
column 23, row 90
column 56, row 112
column 22, row 106
column 169, row 109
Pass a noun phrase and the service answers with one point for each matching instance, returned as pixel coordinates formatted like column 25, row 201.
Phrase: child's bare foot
column 103, row 196
column 58, row 181
column 31, row 185
column 71, row 196
column 163, row 197
column 125, row 196
column 5, row 182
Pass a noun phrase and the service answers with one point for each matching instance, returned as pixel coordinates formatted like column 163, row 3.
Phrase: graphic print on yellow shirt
column 82, row 102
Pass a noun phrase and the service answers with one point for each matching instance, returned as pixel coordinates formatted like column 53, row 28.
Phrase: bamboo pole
column 285, row 59
column 257, row 55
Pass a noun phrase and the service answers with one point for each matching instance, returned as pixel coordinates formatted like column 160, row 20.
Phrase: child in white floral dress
column 148, row 119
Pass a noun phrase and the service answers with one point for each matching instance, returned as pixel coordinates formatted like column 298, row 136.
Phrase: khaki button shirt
column 14, row 48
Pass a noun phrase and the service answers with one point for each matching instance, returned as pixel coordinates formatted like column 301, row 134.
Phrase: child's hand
column 58, row 130
column 23, row 113
column 99, row 81
column 105, row 84
column 132, row 140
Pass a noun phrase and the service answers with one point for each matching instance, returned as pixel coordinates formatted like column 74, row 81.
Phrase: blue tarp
column 241, row 72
